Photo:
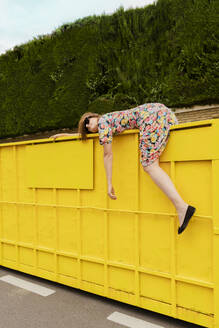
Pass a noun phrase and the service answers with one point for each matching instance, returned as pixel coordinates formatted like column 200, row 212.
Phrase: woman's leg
column 162, row 180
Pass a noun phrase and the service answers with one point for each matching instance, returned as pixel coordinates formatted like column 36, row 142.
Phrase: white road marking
column 37, row 289
column 131, row 322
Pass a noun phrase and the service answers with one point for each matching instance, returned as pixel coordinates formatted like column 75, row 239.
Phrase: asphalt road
column 66, row 307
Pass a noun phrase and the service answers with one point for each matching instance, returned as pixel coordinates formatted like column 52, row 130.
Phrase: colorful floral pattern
column 153, row 121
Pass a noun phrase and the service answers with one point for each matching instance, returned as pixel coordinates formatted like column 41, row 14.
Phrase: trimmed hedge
column 166, row 52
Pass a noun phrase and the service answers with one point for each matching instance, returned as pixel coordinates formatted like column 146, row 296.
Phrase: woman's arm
column 61, row 135
column 108, row 160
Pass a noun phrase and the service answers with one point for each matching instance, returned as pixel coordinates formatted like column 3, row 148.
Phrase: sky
column 22, row 20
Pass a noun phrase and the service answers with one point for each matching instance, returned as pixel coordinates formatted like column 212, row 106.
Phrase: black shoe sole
column 189, row 213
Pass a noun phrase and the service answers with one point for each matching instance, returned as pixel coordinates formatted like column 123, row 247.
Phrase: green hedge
column 166, row 52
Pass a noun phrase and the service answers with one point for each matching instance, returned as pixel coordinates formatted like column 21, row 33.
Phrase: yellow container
column 57, row 222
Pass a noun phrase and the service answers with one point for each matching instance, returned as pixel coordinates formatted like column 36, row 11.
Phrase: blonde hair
column 81, row 127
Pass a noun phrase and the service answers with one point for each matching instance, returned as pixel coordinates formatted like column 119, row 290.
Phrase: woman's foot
column 188, row 211
column 181, row 210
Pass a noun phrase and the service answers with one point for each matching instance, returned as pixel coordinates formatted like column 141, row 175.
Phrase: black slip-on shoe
column 189, row 213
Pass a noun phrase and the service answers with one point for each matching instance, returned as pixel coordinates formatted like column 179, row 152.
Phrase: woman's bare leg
column 162, row 180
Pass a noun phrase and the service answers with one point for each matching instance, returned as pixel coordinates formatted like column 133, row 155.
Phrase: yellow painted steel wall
column 57, row 222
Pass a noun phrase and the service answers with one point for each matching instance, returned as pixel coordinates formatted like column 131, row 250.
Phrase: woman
column 153, row 121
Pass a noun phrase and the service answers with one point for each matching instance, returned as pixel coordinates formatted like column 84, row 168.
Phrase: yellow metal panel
column 26, row 256
column 121, row 238
column 154, row 239
column 26, row 224
column 8, row 175
column 196, row 261
column 193, row 180
column 125, row 173
column 8, row 253
column 156, row 306
column 67, row 231
column 195, row 317
column 202, row 146
column 196, row 298
column 58, row 165
column 25, row 194
column 148, row 288
column 46, row 228
column 121, row 279
column 92, row 272
column 66, row 228
column 92, row 229
column 9, row 223
column 150, row 193
column 67, row 266
column 97, row 196
column 45, row 261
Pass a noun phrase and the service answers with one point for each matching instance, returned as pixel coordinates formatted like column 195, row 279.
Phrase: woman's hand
column 111, row 192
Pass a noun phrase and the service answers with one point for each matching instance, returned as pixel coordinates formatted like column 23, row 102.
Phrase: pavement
column 32, row 302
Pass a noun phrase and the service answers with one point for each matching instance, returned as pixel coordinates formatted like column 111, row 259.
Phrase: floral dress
column 153, row 121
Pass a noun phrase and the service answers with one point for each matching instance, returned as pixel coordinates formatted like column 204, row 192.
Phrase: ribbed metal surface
column 128, row 249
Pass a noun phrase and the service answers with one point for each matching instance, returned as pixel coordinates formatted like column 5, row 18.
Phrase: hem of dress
column 164, row 142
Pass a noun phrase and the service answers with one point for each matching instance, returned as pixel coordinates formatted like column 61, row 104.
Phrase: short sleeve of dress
column 105, row 130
